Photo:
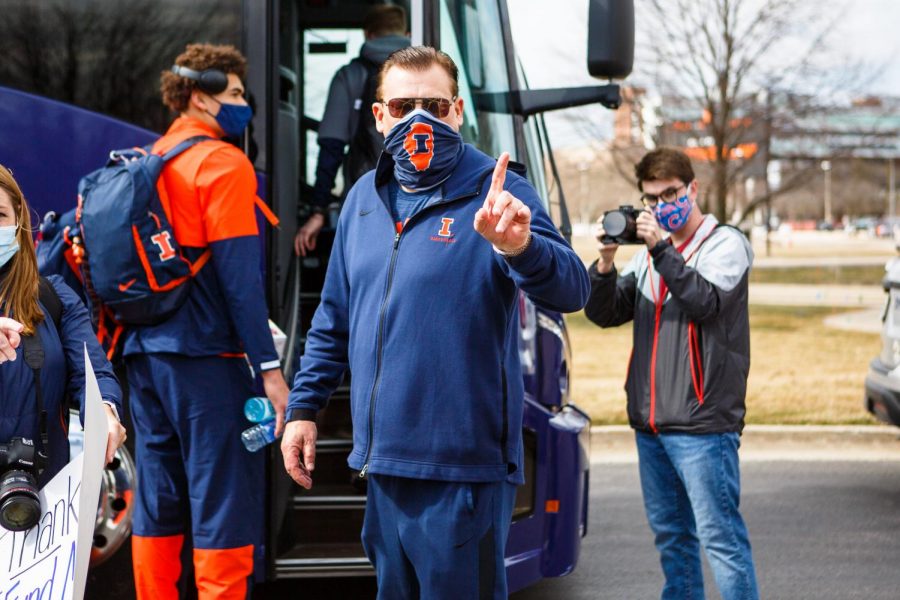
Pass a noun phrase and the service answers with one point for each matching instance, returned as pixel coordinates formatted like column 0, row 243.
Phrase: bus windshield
column 471, row 34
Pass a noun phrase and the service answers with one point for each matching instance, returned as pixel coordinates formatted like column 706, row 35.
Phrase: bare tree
column 751, row 68
column 105, row 56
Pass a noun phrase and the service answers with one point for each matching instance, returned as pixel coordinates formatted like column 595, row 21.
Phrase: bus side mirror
column 610, row 38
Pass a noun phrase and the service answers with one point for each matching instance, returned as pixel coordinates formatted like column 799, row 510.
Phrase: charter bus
column 79, row 78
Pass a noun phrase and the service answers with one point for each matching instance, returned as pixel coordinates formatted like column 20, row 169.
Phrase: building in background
column 826, row 166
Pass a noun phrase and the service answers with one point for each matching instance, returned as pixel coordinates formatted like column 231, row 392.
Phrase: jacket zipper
column 380, row 341
column 380, row 351
column 696, row 362
column 659, row 301
column 504, row 433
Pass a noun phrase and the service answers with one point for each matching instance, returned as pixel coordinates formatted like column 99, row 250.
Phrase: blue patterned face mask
column 425, row 150
column 672, row 216
column 233, row 118
column 9, row 245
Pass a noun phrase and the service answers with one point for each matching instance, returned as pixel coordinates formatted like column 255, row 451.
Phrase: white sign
column 50, row 560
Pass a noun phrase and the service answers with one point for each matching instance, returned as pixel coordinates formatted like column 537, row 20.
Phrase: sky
column 552, row 45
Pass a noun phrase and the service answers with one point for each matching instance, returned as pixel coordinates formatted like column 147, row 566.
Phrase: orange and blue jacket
column 209, row 195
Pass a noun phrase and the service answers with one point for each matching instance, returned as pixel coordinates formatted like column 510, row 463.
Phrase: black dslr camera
column 620, row 226
column 20, row 464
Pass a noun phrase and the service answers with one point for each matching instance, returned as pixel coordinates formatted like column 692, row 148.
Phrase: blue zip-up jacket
column 427, row 321
column 62, row 374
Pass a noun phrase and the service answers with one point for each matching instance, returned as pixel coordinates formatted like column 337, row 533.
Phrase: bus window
column 107, row 56
column 324, row 52
column 534, row 159
column 471, row 34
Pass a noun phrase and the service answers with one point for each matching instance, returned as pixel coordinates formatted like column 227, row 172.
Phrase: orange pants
column 220, row 574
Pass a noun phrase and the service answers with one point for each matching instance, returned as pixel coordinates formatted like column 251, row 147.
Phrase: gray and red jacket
column 691, row 356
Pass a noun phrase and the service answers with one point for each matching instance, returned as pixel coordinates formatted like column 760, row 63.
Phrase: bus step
column 315, row 560
column 322, row 523
column 329, row 502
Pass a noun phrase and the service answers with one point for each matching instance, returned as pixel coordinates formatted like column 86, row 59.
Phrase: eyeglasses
column 400, row 107
column 668, row 196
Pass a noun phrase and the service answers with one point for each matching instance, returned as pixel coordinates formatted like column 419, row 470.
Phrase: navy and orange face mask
column 425, row 150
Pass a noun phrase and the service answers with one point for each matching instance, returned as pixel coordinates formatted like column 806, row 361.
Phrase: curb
column 615, row 443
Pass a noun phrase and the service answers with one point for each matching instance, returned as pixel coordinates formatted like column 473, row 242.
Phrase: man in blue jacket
column 420, row 302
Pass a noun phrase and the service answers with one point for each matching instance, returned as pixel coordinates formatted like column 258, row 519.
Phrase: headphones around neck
column 211, row 81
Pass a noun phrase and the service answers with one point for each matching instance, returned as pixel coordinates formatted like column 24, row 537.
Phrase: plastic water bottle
column 259, row 436
column 258, row 409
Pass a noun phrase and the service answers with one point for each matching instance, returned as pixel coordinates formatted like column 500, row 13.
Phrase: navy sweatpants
column 195, row 477
column 437, row 539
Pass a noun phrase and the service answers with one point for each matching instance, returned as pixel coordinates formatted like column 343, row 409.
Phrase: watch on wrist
column 518, row 251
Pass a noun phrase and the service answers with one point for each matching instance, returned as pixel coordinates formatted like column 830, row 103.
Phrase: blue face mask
column 9, row 245
column 672, row 216
column 233, row 118
column 425, row 150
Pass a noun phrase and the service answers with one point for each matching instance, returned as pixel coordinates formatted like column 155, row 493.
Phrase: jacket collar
column 192, row 127
column 706, row 228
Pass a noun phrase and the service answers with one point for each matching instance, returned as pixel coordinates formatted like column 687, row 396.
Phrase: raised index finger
column 499, row 177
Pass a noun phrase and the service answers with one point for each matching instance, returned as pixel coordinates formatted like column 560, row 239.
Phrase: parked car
column 883, row 380
column 863, row 225
column 887, row 227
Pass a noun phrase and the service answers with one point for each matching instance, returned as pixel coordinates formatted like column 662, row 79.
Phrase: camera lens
column 20, row 506
column 615, row 223
column 621, row 225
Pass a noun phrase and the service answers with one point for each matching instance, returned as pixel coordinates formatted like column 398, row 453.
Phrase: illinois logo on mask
column 425, row 150
column 419, row 144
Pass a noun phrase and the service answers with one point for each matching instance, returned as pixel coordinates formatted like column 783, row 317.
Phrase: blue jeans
column 691, row 485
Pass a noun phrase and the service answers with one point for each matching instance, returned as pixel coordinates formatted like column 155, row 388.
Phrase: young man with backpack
column 189, row 375
column 347, row 134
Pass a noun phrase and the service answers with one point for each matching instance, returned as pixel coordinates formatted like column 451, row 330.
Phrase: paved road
column 820, row 530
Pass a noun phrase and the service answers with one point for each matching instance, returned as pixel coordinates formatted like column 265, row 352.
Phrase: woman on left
column 44, row 327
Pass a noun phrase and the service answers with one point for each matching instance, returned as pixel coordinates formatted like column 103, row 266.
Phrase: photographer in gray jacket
column 687, row 378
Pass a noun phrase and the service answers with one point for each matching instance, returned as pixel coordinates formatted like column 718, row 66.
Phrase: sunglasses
column 667, row 196
column 400, row 107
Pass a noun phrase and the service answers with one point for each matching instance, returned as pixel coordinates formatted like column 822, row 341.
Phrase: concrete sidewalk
column 869, row 299
column 760, row 261
column 760, row 443
column 786, row 294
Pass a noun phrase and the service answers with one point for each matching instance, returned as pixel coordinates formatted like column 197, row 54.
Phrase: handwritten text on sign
column 39, row 564
column 50, row 560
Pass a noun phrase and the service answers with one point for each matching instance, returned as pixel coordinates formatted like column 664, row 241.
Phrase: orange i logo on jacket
column 419, row 144
column 163, row 240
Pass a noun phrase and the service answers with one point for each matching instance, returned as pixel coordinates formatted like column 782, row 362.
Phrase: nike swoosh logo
column 363, row 212
column 124, row 286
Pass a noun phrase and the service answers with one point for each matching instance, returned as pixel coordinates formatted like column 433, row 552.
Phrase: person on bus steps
column 189, row 375
column 27, row 306
column 347, row 122
column 420, row 301
column 687, row 379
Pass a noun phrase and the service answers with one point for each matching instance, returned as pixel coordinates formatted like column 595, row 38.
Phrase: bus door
column 315, row 532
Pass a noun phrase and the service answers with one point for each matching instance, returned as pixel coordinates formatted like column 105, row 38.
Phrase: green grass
column 837, row 275
column 801, row 372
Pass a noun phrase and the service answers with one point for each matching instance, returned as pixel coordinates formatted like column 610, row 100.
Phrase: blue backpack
column 56, row 243
column 124, row 249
